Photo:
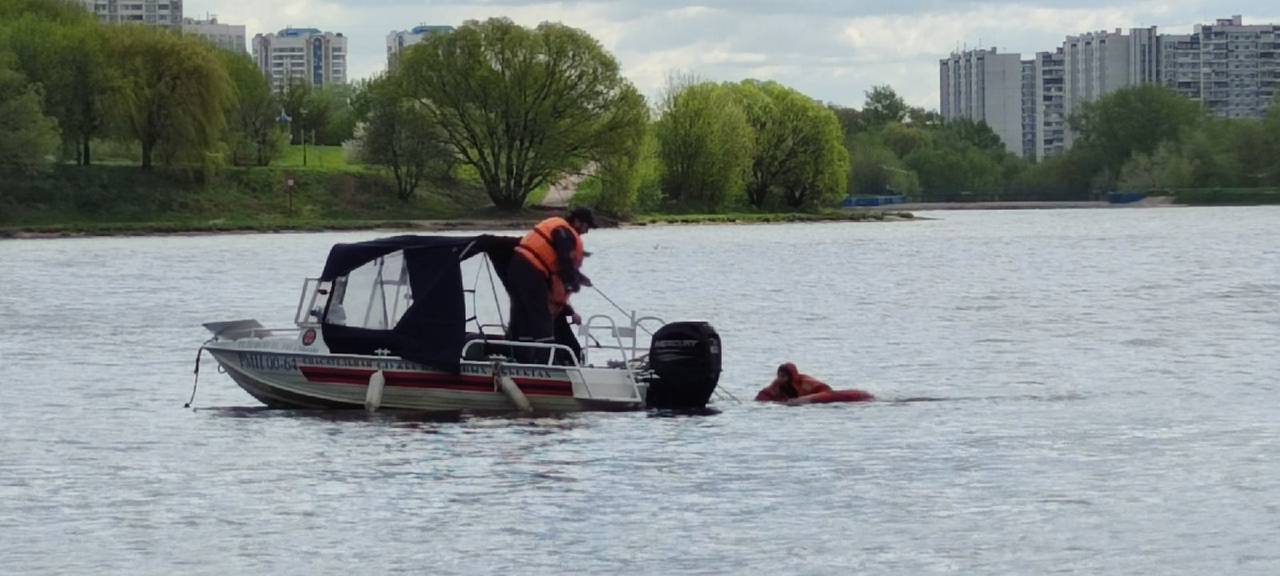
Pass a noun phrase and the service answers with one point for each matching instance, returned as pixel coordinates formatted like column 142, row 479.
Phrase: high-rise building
column 225, row 36
column 1231, row 68
column 1029, row 132
column 148, row 12
column 398, row 40
column 301, row 55
column 1049, row 104
column 985, row 86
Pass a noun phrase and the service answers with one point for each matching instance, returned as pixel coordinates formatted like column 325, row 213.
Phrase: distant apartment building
column 1029, row 133
column 1099, row 63
column 986, row 86
column 301, row 55
column 397, row 41
column 166, row 13
column 225, row 36
column 1231, row 68
column 1049, row 105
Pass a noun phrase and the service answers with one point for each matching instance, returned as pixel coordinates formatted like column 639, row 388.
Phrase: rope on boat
column 620, row 308
column 196, row 383
column 721, row 392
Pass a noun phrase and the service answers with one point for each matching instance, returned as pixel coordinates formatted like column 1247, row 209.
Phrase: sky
column 832, row 50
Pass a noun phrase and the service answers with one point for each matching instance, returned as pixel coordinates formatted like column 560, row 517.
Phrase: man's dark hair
column 584, row 215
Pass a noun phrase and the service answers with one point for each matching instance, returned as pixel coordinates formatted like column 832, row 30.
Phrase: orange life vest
column 536, row 246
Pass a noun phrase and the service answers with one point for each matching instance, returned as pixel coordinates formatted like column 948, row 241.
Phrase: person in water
column 792, row 387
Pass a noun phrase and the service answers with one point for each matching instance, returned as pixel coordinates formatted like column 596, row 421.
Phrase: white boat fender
column 373, row 397
column 509, row 388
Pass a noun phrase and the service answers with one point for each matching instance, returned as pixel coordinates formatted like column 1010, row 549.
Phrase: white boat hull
column 282, row 377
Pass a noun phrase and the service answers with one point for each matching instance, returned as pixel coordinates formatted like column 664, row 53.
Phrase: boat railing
column 553, row 351
column 602, row 332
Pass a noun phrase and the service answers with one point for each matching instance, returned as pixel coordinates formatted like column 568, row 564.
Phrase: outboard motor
column 685, row 359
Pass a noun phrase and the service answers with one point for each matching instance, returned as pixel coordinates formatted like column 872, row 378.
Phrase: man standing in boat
column 547, row 263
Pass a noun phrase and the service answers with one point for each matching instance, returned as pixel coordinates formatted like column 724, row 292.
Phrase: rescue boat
column 416, row 323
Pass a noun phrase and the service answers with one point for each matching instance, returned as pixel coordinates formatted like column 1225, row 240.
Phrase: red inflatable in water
column 793, row 387
column 839, row 396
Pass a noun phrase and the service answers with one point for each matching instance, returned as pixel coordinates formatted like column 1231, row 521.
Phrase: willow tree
column 798, row 145
column 523, row 106
column 705, row 143
column 172, row 93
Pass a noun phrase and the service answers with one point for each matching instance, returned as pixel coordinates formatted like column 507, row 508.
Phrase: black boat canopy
column 433, row 329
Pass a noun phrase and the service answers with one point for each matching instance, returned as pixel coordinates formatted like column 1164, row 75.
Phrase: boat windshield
column 374, row 296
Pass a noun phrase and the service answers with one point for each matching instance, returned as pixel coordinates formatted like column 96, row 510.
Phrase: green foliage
column 173, row 93
column 706, row 145
column 798, row 150
column 340, row 118
column 973, row 133
column 399, row 135
column 253, row 134
column 1160, row 171
column 876, row 170
column 626, row 184
column 524, row 107
column 1133, row 121
column 67, row 56
column 56, row 11
column 1228, row 196
column 27, row 136
column 904, row 139
column 884, row 106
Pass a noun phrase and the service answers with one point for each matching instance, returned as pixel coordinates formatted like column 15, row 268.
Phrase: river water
column 1073, row 391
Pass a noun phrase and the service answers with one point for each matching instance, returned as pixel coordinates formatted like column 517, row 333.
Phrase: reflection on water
column 1059, row 391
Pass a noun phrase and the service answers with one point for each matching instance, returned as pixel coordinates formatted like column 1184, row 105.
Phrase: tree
column 921, row 118
column 294, row 97
column 253, row 131
column 976, row 133
column 904, row 139
column 1161, row 171
column 884, row 106
column 27, row 136
column 66, row 55
column 340, row 118
column 874, row 169
column 1133, row 121
column 57, row 11
column 174, row 92
column 852, row 121
column 398, row 134
column 705, row 142
column 797, row 148
column 524, row 107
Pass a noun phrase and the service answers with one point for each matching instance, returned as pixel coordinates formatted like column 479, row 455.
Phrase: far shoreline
column 516, row 222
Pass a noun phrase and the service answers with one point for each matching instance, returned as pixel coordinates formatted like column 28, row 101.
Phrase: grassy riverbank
column 123, row 200
column 116, row 198
column 1228, row 196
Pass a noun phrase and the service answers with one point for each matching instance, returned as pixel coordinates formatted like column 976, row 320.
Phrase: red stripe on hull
column 459, row 382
